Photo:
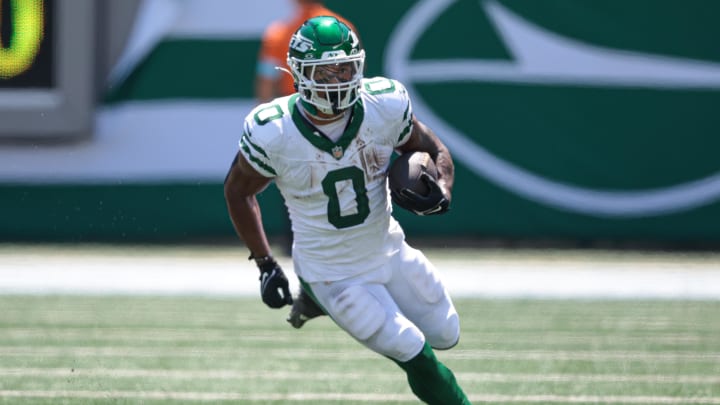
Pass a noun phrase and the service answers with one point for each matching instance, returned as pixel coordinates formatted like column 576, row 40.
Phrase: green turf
column 162, row 350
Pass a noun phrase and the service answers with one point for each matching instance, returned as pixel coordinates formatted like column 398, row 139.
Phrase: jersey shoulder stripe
column 408, row 120
column 255, row 154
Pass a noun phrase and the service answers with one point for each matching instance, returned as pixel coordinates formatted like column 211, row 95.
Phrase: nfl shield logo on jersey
column 337, row 152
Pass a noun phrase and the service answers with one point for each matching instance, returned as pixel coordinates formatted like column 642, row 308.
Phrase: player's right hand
column 274, row 287
column 434, row 203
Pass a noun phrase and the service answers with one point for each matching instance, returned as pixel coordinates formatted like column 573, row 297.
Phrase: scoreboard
column 26, row 38
column 47, row 75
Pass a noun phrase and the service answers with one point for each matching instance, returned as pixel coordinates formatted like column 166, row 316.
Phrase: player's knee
column 401, row 346
column 448, row 336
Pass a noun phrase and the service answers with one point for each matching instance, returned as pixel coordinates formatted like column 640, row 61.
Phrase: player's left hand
column 274, row 287
column 434, row 203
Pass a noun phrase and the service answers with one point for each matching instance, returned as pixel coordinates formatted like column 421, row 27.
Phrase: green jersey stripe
column 405, row 131
column 256, row 160
column 246, row 140
column 337, row 149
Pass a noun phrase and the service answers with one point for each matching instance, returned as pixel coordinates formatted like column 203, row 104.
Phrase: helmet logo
column 300, row 43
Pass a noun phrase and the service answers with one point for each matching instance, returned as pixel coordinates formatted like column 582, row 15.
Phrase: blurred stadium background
column 581, row 245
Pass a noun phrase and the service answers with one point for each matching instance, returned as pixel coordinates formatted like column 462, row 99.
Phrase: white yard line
column 467, row 273
column 458, row 354
column 145, row 335
column 305, row 375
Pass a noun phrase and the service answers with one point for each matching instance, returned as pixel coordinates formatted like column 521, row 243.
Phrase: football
column 406, row 169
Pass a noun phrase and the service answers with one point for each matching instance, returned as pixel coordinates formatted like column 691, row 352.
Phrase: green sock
column 431, row 381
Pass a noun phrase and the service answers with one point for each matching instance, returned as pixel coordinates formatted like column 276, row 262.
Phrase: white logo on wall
column 544, row 57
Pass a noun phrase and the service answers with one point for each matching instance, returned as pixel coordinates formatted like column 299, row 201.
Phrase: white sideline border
column 365, row 397
column 225, row 271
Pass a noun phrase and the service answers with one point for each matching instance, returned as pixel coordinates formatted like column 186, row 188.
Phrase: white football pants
column 396, row 309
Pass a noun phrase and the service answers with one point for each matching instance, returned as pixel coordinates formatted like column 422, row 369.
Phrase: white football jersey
column 336, row 192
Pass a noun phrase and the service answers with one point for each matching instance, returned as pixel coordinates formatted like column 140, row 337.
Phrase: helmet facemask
column 331, row 85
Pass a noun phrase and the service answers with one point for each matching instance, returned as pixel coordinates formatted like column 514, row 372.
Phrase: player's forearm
column 443, row 160
column 247, row 221
column 423, row 138
column 446, row 170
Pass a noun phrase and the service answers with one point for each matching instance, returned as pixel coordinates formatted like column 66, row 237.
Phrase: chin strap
column 309, row 108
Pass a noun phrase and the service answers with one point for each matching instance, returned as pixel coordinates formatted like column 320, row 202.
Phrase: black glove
column 274, row 287
column 435, row 202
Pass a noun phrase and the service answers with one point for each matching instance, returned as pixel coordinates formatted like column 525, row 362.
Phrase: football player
column 328, row 148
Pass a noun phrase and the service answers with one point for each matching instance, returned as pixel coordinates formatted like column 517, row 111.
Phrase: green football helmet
column 326, row 61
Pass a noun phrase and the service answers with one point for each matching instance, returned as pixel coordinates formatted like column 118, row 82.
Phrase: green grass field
column 160, row 350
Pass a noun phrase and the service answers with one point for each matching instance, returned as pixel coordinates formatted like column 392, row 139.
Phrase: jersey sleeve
column 396, row 105
column 406, row 123
column 258, row 138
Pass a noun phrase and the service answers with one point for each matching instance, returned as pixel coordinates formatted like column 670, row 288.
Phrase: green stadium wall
column 568, row 119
